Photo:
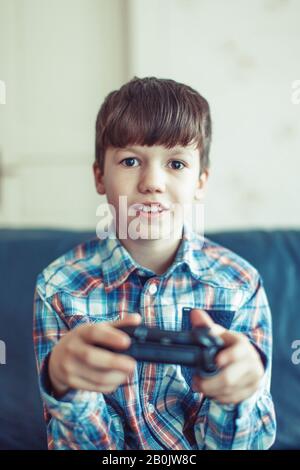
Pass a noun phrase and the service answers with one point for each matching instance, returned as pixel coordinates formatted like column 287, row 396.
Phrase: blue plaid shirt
column 156, row 408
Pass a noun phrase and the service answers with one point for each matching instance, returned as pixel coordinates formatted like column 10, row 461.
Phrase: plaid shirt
column 156, row 408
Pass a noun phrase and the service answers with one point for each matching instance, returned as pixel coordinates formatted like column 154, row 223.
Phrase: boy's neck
column 155, row 255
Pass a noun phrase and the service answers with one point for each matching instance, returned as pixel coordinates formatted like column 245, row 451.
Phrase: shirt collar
column 117, row 263
column 191, row 253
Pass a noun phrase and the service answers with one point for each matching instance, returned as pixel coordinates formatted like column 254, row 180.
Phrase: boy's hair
column 154, row 111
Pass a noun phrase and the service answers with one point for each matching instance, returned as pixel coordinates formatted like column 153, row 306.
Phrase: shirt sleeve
column 250, row 424
column 80, row 419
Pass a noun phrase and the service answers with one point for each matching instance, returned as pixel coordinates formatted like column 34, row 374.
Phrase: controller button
column 165, row 340
column 141, row 333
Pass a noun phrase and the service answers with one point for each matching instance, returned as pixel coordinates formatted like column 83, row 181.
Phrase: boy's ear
column 98, row 179
column 199, row 193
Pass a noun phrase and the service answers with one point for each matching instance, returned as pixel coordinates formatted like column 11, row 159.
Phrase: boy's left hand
column 242, row 368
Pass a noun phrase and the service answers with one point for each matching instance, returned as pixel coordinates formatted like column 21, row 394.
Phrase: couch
column 24, row 253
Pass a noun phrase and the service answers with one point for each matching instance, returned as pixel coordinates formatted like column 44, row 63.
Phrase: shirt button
column 152, row 289
column 151, row 408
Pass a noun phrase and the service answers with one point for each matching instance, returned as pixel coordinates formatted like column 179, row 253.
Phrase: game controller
column 193, row 348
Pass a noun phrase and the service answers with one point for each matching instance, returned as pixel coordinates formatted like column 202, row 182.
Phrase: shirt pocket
column 75, row 310
column 220, row 316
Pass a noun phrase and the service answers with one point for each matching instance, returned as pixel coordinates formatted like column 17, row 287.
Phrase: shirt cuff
column 71, row 406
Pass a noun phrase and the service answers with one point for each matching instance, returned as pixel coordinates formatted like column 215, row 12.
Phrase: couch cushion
column 23, row 254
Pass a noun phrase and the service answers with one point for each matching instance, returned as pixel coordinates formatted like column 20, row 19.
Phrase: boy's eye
column 133, row 162
column 176, row 164
column 130, row 160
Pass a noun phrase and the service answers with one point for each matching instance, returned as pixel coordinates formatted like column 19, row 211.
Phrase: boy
column 152, row 147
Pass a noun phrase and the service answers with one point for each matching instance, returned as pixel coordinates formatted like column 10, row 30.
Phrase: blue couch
column 24, row 253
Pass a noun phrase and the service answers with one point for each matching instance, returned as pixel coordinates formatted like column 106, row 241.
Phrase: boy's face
column 146, row 175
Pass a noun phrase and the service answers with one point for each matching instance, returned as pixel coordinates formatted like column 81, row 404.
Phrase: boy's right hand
column 76, row 363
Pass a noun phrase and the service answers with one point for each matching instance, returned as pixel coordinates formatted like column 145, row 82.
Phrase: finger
column 231, row 337
column 80, row 383
column 231, row 354
column 208, row 386
column 199, row 318
column 247, row 383
column 103, row 360
column 131, row 319
column 97, row 378
column 233, row 376
column 237, row 396
column 105, row 334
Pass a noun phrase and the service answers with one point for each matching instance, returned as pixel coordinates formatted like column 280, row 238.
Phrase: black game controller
column 192, row 348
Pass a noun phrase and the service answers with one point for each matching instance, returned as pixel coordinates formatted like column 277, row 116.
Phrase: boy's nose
column 152, row 181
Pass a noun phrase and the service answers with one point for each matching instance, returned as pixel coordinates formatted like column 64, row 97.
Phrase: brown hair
column 149, row 111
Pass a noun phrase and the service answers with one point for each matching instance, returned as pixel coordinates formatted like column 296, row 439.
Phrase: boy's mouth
column 150, row 209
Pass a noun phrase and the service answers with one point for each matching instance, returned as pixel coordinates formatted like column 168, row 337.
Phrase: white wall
column 243, row 57
column 59, row 59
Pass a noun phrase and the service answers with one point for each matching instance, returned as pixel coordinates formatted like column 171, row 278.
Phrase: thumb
column 199, row 318
column 132, row 319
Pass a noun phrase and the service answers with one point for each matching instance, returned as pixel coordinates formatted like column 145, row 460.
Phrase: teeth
column 151, row 209
column 148, row 208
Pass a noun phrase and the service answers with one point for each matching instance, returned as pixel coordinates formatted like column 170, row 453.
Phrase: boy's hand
column 242, row 368
column 75, row 362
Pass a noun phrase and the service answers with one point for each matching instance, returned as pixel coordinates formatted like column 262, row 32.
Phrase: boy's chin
column 155, row 231
column 166, row 227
